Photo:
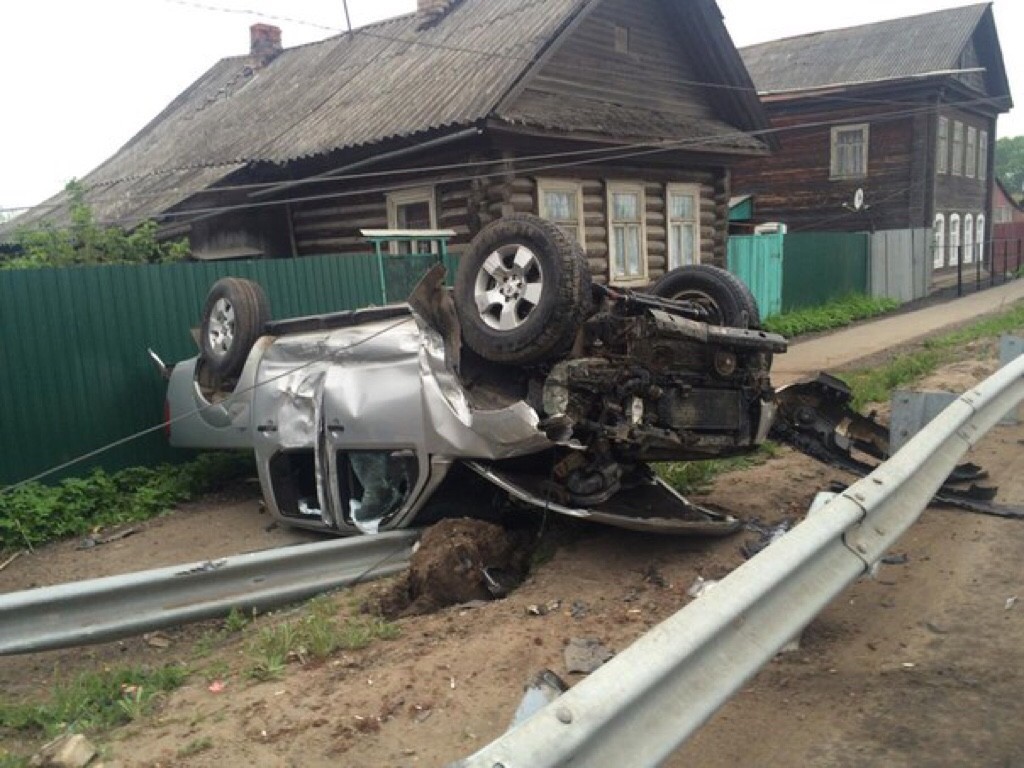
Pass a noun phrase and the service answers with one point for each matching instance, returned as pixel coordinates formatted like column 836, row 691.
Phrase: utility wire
column 589, row 156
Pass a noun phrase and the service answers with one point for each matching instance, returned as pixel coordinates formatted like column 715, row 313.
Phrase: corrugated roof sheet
column 885, row 50
column 390, row 80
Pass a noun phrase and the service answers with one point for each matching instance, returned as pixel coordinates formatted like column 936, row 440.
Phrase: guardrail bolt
column 563, row 715
column 862, row 549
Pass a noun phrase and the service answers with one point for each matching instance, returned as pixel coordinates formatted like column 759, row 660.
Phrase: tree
column 84, row 241
column 1010, row 164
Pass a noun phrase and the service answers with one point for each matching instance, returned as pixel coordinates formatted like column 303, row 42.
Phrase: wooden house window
column 958, row 148
column 980, row 225
column 942, row 151
column 954, row 240
column 683, row 220
column 412, row 209
column 561, row 203
column 983, row 155
column 849, row 151
column 972, row 152
column 939, row 244
column 968, row 239
column 627, row 233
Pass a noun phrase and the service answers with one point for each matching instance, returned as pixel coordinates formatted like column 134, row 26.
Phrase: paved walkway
column 836, row 349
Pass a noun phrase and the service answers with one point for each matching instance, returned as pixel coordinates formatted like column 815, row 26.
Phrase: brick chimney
column 264, row 43
column 432, row 11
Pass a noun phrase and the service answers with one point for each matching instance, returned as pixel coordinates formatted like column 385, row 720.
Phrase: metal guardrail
column 637, row 708
column 98, row 610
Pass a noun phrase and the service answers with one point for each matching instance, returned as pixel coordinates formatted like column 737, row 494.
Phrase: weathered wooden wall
column 794, row 185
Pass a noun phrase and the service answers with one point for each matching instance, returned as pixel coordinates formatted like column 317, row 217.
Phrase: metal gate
column 757, row 261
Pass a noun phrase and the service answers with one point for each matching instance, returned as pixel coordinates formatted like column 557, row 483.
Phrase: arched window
column 968, row 239
column 939, row 242
column 954, row 239
column 980, row 238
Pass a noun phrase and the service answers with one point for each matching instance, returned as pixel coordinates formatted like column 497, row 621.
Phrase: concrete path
column 837, row 349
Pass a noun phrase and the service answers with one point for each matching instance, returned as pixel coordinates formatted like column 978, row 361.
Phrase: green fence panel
column 74, row 372
column 820, row 267
column 757, row 261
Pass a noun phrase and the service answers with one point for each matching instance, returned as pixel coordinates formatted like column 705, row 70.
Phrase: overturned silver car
column 525, row 378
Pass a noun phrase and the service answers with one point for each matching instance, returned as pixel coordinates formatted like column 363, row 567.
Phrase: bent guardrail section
column 98, row 610
column 636, row 709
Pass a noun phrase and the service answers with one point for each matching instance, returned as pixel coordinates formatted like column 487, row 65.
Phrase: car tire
column 234, row 316
column 522, row 291
column 726, row 298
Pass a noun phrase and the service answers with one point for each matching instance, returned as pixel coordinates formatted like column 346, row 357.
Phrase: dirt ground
column 921, row 666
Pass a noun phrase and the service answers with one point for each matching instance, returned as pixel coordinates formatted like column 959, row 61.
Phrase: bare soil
column 922, row 666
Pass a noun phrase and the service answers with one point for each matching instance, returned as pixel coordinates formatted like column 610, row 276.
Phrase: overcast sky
column 81, row 78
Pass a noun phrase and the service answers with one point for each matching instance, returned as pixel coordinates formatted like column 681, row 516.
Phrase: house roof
column 884, row 51
column 394, row 80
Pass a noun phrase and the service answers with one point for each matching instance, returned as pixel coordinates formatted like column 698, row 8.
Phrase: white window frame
column 411, row 197
column 682, row 190
column 979, row 238
column 626, row 187
column 942, row 151
column 957, row 167
column 939, row 242
column 971, row 149
column 968, row 239
column 835, row 169
column 564, row 185
column 954, row 239
column 983, row 155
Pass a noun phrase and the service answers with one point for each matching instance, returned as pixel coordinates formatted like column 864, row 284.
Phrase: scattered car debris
column 89, row 542
column 217, row 686
column 157, row 640
column 701, row 587
column 1011, row 602
column 72, row 750
column 578, row 609
column 766, row 536
column 544, row 688
column 901, row 558
column 543, row 609
column 584, row 655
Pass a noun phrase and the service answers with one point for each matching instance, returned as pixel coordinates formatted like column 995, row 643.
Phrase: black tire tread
column 736, row 300
column 252, row 313
column 557, row 321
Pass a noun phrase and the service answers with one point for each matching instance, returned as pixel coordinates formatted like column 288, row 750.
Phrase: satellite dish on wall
column 858, row 199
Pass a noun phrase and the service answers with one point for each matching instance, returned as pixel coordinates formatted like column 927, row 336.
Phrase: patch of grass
column 835, row 314
column 695, row 476
column 235, row 621
column 8, row 760
column 35, row 514
column 875, row 385
column 196, row 746
column 317, row 635
column 93, row 701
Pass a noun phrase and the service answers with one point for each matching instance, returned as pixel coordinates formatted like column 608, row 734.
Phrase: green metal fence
column 74, row 373
column 819, row 267
column 757, row 261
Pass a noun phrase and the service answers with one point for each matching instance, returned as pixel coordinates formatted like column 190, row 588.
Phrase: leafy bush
column 835, row 314
column 35, row 513
column 86, row 242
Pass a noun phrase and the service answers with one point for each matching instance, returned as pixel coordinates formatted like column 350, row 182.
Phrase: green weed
column 93, row 700
column 835, row 314
column 35, row 514
column 695, row 476
column 875, row 385
column 196, row 746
